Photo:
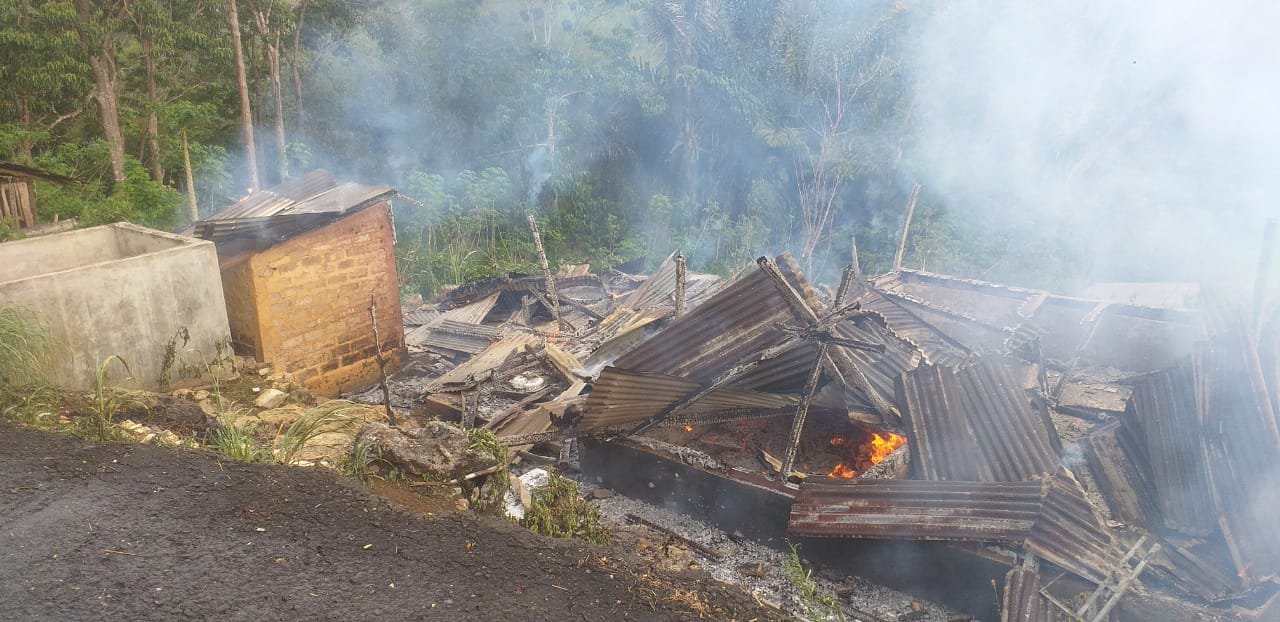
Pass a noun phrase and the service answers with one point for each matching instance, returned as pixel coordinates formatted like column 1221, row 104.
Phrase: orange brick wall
column 311, row 296
column 242, row 308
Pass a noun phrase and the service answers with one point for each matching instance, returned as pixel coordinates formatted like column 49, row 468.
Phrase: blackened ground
column 139, row 532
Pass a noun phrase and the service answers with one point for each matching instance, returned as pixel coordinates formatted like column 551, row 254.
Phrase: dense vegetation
column 723, row 128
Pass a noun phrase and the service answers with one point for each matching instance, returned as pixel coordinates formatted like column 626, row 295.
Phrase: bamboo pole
column 906, row 227
column 680, row 285
column 553, row 300
column 382, row 364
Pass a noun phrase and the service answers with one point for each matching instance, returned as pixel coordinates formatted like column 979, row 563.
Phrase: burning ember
column 688, row 428
column 842, row 471
column 869, row 454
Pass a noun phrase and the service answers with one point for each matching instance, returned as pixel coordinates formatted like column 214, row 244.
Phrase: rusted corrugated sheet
column 620, row 397
column 1164, row 406
column 976, row 423
column 452, row 335
column 304, row 202
column 473, row 313
column 1023, row 601
column 420, row 316
column 1194, row 574
column 656, row 290
column 936, row 347
column 1242, row 449
column 916, row 509
column 737, row 321
column 1119, row 470
column 1069, row 533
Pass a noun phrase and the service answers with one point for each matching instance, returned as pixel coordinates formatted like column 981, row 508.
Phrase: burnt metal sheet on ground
column 620, row 397
column 473, row 313
column 1069, row 533
column 656, row 290
column 1195, row 571
column 916, row 509
column 1242, row 449
column 1164, row 407
column 455, row 336
column 1023, row 601
column 1121, row 475
column 994, row 304
column 976, row 423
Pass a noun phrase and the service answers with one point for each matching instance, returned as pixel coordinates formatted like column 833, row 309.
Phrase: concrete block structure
column 301, row 264
column 151, row 298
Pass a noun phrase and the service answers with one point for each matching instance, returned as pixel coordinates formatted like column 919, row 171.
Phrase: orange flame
column 837, row 441
column 688, row 428
column 882, row 446
column 841, row 470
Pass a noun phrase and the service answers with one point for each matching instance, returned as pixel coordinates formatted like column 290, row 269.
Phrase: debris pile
column 1122, row 460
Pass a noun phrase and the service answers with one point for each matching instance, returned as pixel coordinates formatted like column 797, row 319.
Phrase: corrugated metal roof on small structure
column 976, row 423
column 299, row 204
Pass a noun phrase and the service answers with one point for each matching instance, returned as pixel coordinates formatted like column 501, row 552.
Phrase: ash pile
column 1120, row 460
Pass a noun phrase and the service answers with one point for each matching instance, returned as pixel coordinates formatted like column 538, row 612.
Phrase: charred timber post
column 552, row 298
column 680, row 280
column 382, row 364
column 802, row 413
column 1263, row 278
column 906, row 228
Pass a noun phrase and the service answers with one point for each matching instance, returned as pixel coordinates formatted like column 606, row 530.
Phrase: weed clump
column 559, row 511
column 23, row 346
column 818, row 605
column 236, row 441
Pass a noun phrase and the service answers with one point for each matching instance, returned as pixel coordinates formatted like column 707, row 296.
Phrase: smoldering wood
column 553, row 300
column 382, row 364
column 906, row 227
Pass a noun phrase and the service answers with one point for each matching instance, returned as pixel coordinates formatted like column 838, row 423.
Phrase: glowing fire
column 882, row 446
column 870, row 454
column 841, row 471
column 688, row 428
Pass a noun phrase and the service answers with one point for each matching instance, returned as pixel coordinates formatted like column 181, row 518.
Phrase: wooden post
column 802, row 413
column 853, row 257
column 191, row 179
column 553, row 299
column 680, row 284
column 1262, row 280
column 382, row 364
column 906, row 228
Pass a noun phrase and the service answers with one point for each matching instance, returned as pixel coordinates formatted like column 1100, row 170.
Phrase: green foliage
column 24, row 347
column 331, row 416
column 108, row 401
column 234, row 441
column 492, row 494
column 359, row 463
column 819, row 606
column 559, row 511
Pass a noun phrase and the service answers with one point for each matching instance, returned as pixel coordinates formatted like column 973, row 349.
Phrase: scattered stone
column 200, row 395
column 207, row 407
column 461, row 504
column 601, row 493
column 271, row 398
column 183, row 394
column 265, row 371
column 754, row 569
column 439, row 451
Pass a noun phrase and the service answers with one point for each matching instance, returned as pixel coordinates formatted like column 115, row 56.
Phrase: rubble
column 437, row 451
column 1128, row 451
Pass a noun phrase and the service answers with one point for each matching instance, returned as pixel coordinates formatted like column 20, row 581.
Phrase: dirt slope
column 146, row 533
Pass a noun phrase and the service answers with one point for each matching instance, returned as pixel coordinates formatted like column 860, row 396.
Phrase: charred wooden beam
column 705, row 550
column 554, row 304
column 802, row 413
column 680, row 284
column 906, row 228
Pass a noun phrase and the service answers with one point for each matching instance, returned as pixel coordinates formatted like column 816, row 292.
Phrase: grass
column 108, row 400
column 236, row 441
column 559, row 511
column 35, row 406
column 332, row 416
column 23, row 348
column 492, row 494
column 819, row 606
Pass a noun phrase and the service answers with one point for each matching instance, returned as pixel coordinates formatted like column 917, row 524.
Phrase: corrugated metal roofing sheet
column 453, row 335
column 916, row 509
column 976, row 423
column 657, row 289
column 1023, row 601
column 1164, row 406
column 1242, row 448
column 620, row 397
column 473, row 313
column 298, row 204
column 1121, row 475
column 1069, row 532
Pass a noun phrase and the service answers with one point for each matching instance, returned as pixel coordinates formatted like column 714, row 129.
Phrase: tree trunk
column 299, row 130
column 242, row 85
column 191, row 180
column 273, row 61
column 104, row 79
column 26, row 147
column 153, row 119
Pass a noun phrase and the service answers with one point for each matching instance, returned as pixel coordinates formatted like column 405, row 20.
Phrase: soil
column 140, row 532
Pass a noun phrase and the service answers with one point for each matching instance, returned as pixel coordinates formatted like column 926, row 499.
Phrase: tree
column 242, row 86
column 98, row 25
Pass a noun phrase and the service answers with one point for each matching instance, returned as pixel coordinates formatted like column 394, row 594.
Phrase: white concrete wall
column 119, row 290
